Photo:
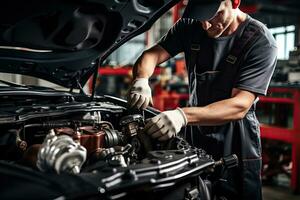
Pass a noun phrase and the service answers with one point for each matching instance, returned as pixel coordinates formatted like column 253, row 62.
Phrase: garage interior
column 278, row 112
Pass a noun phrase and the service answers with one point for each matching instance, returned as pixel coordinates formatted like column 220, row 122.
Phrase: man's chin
column 214, row 34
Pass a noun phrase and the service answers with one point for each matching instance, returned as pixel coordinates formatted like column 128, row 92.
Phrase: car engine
column 103, row 143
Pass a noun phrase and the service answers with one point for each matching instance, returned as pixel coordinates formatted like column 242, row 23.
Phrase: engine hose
column 58, row 124
column 50, row 124
column 111, row 138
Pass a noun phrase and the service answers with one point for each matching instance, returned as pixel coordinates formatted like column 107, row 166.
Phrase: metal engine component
column 60, row 154
column 90, row 137
column 117, row 157
column 118, row 160
column 131, row 124
column 230, row 161
column 112, row 138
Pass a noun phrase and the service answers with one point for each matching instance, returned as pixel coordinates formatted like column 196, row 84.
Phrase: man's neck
column 238, row 19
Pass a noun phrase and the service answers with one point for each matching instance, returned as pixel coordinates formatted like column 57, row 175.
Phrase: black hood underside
column 60, row 41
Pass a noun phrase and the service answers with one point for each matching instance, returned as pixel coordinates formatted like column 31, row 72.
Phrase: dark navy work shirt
column 258, row 63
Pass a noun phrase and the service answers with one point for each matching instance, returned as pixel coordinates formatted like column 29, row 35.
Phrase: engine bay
column 101, row 143
column 103, row 131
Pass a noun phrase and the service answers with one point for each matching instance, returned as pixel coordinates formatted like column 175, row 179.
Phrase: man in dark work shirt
column 230, row 58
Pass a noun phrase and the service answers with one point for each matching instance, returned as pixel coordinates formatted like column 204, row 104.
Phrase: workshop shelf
column 286, row 95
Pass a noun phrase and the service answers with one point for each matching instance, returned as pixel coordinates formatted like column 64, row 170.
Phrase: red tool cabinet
column 290, row 135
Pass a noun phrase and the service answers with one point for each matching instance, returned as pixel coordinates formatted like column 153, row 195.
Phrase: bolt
column 22, row 145
column 155, row 161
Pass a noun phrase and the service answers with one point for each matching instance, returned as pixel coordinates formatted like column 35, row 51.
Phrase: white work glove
column 166, row 125
column 139, row 94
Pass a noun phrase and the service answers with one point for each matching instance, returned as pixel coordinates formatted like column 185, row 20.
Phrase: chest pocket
column 204, row 90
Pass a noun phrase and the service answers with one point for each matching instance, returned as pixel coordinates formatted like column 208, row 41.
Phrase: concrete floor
column 278, row 193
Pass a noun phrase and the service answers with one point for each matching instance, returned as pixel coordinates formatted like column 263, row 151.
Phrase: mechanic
column 230, row 58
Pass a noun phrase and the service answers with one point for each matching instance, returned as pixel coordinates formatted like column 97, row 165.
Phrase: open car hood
column 60, row 41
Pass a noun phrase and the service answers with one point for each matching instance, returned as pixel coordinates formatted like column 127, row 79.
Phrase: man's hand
column 139, row 94
column 165, row 125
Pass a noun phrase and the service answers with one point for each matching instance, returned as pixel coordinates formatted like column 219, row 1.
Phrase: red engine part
column 88, row 136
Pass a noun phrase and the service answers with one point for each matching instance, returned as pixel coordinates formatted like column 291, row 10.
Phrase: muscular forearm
column 220, row 112
column 146, row 63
